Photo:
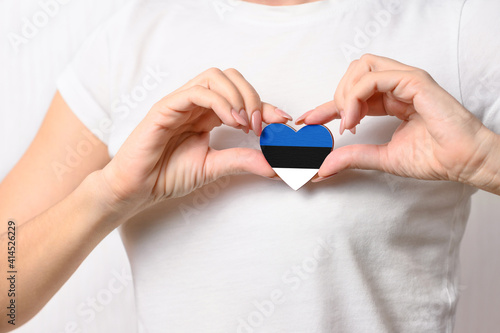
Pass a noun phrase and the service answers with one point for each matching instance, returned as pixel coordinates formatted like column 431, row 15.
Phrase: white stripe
column 295, row 177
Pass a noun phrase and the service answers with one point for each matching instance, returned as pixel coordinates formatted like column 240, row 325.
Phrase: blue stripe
column 307, row 136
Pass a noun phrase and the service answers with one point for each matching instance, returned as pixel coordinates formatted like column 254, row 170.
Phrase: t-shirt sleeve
column 479, row 60
column 85, row 82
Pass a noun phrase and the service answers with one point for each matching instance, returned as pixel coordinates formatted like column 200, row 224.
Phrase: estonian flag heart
column 296, row 156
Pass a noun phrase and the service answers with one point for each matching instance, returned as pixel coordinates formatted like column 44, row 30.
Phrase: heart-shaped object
column 296, row 156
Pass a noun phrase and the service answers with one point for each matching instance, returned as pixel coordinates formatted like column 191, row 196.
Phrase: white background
column 27, row 84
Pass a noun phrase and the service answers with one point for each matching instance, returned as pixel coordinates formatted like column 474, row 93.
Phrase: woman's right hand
column 166, row 156
column 168, row 153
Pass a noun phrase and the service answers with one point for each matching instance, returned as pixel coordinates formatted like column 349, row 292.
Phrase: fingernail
column 243, row 115
column 275, row 178
column 282, row 113
column 257, row 122
column 342, row 122
column 320, row 179
column 353, row 130
column 300, row 120
column 239, row 118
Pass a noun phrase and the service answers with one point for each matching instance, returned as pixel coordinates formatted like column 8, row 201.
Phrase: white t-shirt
column 362, row 252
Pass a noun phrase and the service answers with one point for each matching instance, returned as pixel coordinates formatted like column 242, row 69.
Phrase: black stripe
column 295, row 157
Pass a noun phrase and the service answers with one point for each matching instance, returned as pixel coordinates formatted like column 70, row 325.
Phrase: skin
column 168, row 156
column 437, row 140
column 281, row 2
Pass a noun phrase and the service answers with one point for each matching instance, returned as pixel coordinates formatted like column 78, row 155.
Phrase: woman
column 364, row 251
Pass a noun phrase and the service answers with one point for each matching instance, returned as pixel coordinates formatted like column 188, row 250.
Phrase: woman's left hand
column 438, row 138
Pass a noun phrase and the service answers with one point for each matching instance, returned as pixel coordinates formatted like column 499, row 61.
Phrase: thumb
column 365, row 157
column 233, row 161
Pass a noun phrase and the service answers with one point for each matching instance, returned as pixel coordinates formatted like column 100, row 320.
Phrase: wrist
column 493, row 165
column 109, row 210
column 487, row 175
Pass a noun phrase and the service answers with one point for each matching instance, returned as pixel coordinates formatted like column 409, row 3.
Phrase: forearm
column 51, row 246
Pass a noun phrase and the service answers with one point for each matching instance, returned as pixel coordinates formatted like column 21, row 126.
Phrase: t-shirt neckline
column 280, row 14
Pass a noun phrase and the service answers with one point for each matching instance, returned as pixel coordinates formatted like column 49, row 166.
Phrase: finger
column 365, row 157
column 341, row 87
column 172, row 109
column 272, row 114
column 216, row 80
column 247, row 108
column 251, row 98
column 355, row 69
column 380, row 82
column 320, row 115
column 371, row 63
column 300, row 120
column 255, row 111
column 405, row 93
column 380, row 63
column 269, row 114
column 358, row 69
column 226, row 86
column 251, row 112
column 236, row 161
